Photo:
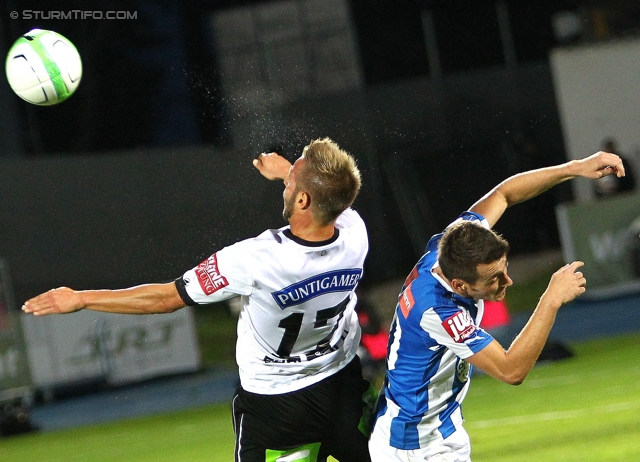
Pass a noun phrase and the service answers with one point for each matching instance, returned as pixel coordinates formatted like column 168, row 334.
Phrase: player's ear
column 303, row 200
column 459, row 285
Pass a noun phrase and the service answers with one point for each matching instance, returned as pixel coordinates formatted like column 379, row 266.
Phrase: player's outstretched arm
column 513, row 366
column 524, row 186
column 272, row 166
column 144, row 299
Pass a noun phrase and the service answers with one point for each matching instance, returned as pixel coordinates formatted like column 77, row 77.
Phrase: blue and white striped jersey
column 433, row 331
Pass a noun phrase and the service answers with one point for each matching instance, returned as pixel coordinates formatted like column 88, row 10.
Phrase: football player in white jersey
column 301, row 387
column 435, row 340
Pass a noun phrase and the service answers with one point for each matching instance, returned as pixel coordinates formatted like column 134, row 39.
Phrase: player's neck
column 439, row 272
column 304, row 227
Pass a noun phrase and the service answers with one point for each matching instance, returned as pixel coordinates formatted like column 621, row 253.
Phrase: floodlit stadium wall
column 596, row 88
column 116, row 220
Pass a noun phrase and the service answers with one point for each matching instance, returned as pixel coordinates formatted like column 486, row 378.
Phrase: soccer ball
column 43, row 67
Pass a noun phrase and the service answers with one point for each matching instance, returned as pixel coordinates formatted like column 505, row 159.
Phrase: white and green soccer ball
column 43, row 67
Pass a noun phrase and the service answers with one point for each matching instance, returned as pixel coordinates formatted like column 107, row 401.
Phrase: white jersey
column 297, row 324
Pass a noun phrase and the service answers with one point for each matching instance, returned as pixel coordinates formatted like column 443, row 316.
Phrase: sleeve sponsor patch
column 412, row 275
column 406, row 302
column 209, row 276
column 460, row 326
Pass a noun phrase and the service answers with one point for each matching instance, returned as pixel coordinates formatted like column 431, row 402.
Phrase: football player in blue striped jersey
column 435, row 339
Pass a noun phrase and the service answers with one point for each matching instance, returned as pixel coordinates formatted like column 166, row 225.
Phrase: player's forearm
column 145, row 299
column 527, row 185
column 565, row 285
column 527, row 346
column 519, row 188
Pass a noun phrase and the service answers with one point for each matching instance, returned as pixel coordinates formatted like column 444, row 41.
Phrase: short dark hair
column 464, row 246
column 331, row 178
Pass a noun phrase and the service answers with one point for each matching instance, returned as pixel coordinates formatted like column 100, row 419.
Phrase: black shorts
column 323, row 419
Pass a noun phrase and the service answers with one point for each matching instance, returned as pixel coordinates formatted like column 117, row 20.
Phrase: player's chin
column 499, row 296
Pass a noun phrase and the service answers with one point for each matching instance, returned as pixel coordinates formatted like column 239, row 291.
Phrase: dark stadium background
column 123, row 183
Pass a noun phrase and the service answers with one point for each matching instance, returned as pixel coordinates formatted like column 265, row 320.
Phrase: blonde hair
column 331, row 178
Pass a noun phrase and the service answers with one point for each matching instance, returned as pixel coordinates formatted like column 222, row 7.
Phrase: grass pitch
column 585, row 409
column 582, row 409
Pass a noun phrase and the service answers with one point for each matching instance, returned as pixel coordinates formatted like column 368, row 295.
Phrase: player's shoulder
column 473, row 217
column 349, row 219
column 267, row 237
column 265, row 240
column 421, row 293
column 429, row 294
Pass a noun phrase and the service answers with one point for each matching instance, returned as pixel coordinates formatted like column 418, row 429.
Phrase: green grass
column 583, row 409
column 195, row 435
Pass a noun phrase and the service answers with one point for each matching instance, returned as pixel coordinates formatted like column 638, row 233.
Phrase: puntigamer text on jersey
column 332, row 281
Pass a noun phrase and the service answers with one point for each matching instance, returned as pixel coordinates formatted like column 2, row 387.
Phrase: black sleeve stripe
column 182, row 291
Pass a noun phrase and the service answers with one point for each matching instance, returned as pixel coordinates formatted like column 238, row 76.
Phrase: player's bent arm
column 513, row 366
column 144, row 299
column 524, row 186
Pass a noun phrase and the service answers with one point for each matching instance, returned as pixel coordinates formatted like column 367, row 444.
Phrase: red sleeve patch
column 209, row 276
column 412, row 275
column 406, row 302
column 460, row 326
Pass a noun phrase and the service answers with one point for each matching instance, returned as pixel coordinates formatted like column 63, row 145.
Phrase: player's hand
column 56, row 301
column 599, row 165
column 272, row 166
column 566, row 284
